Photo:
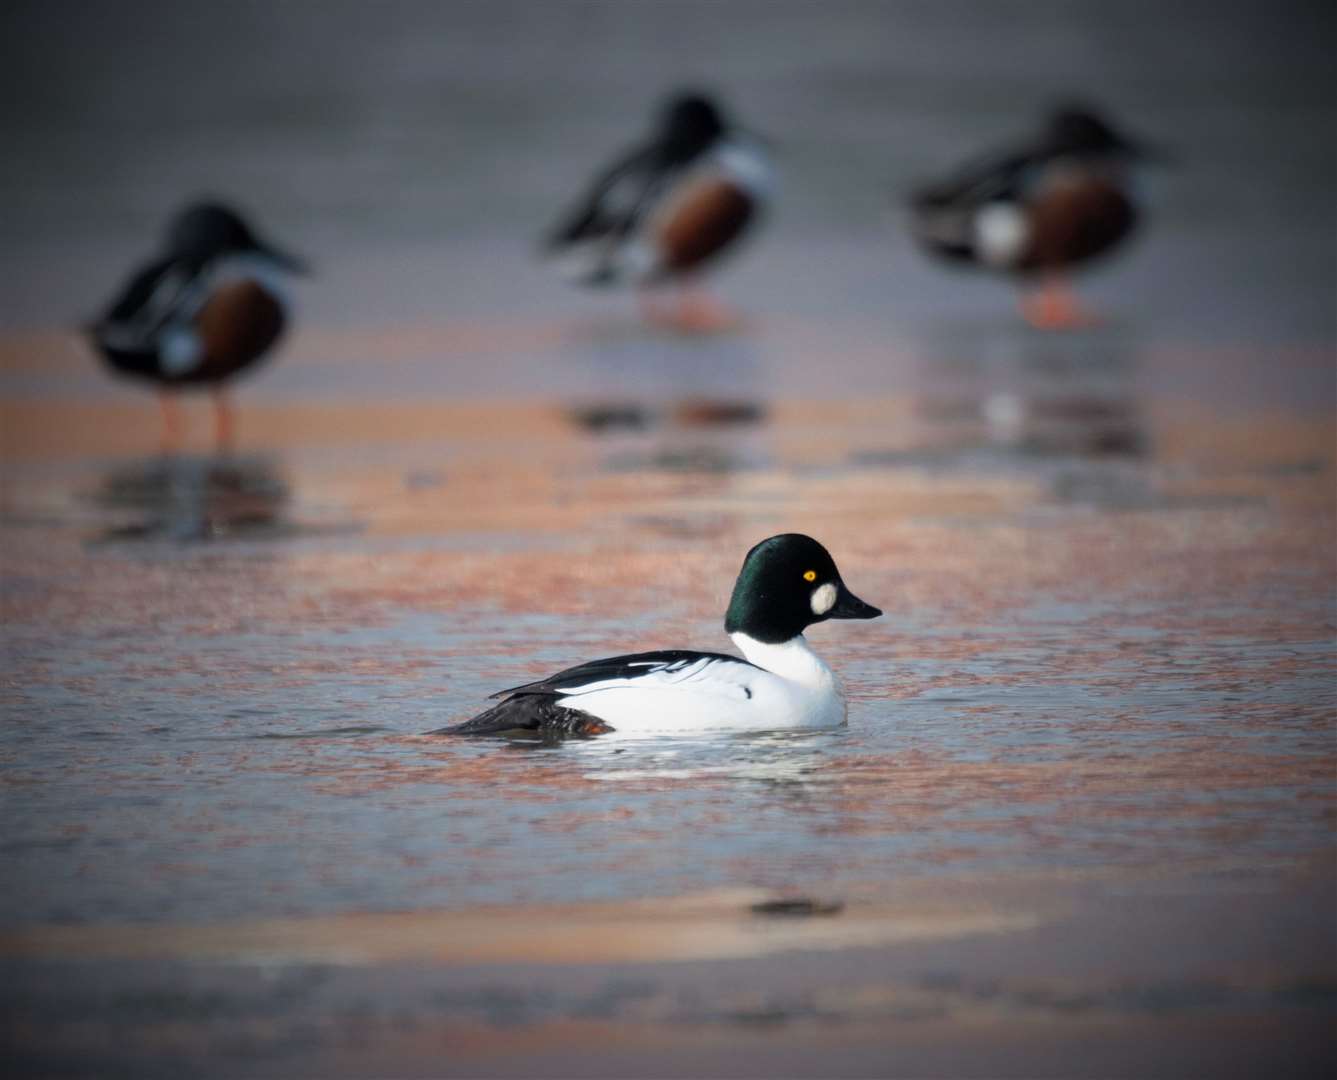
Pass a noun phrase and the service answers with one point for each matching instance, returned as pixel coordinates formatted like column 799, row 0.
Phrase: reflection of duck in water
column 787, row 584
column 1086, row 425
column 209, row 307
column 190, row 498
column 1039, row 210
column 667, row 209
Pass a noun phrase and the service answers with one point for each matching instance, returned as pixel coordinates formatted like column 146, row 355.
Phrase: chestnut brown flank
column 1076, row 217
column 700, row 222
column 239, row 322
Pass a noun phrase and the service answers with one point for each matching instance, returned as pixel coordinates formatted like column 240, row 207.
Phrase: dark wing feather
column 149, row 300
column 615, row 667
column 532, row 710
column 999, row 176
column 944, row 212
column 137, row 291
column 529, row 716
column 636, row 176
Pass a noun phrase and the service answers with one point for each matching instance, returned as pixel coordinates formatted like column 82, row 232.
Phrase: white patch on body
column 823, row 599
column 790, row 688
column 180, row 350
column 256, row 267
column 746, row 164
column 1001, row 233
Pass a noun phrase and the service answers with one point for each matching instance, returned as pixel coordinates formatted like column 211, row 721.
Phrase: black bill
column 849, row 606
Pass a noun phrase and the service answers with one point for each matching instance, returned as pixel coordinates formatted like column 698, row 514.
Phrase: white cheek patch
column 823, row 599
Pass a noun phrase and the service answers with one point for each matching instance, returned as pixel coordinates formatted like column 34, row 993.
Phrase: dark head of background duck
column 1081, row 130
column 774, row 597
column 208, row 230
column 689, row 123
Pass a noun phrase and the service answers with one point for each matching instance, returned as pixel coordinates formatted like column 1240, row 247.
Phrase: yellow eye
column 810, row 575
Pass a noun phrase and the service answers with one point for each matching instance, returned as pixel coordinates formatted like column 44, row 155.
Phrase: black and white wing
column 156, row 295
column 946, row 214
column 534, row 708
column 586, row 245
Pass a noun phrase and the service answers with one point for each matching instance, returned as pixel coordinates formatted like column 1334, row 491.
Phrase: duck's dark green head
column 787, row 583
column 1082, row 130
column 688, row 124
column 206, row 230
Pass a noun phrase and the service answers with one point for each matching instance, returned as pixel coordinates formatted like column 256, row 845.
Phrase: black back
column 617, row 667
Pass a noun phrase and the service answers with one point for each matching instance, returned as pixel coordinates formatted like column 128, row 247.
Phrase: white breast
column 256, row 267
column 790, row 688
column 747, row 165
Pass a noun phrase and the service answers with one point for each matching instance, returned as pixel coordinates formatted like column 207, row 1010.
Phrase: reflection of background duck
column 697, row 411
column 207, row 309
column 186, row 498
column 667, row 209
column 1040, row 209
column 998, row 398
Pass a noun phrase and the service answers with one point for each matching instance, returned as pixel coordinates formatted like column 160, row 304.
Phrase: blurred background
column 1082, row 820
column 415, row 152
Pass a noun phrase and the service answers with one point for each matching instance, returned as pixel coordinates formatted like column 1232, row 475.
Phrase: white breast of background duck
column 738, row 162
column 745, row 164
column 782, row 687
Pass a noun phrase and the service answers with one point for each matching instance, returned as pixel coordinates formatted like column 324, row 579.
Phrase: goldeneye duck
column 666, row 209
column 1038, row 209
column 209, row 306
column 787, row 583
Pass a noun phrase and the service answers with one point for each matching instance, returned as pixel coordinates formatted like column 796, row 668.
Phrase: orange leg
column 171, row 421
column 225, row 427
column 1054, row 306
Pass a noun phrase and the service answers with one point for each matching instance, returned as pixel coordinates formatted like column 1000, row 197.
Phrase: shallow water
column 1089, row 759
column 1099, row 651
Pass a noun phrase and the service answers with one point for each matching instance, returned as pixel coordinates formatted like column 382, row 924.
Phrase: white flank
column 795, row 691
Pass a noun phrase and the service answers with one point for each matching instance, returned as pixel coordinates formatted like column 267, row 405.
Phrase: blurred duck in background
column 1039, row 209
column 208, row 307
column 666, row 210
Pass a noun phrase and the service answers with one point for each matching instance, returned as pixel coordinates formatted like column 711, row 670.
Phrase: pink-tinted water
column 1107, row 658
column 1108, row 642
